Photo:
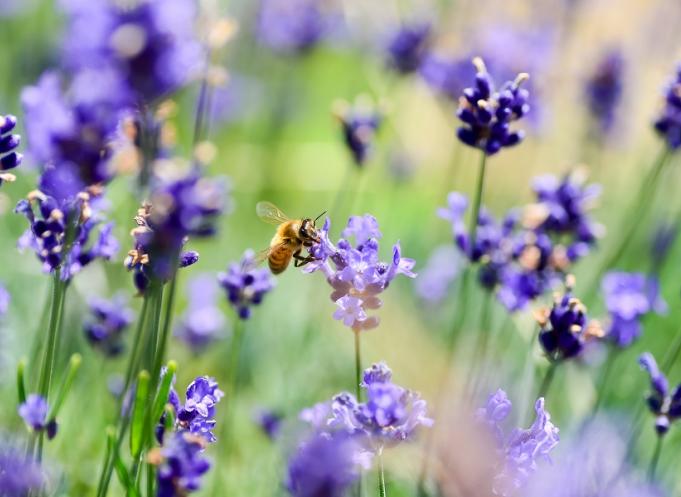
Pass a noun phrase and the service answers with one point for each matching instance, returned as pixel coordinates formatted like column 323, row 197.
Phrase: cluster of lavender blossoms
column 176, row 210
column 390, row 415
column 565, row 328
column 521, row 451
column 359, row 124
column 245, row 284
column 663, row 403
column 108, row 320
column 530, row 250
column 603, row 90
column 20, row 476
column 203, row 322
column 34, row 411
column 356, row 274
column 629, row 297
column 487, row 114
column 9, row 158
column 408, row 46
column 668, row 124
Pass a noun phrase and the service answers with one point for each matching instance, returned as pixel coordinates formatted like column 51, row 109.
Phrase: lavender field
column 330, row 248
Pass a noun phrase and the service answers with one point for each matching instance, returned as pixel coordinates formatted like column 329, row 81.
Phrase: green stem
column 607, row 370
column 482, row 340
column 232, row 384
column 381, row 477
column 548, row 379
column 655, row 459
column 167, row 321
column 358, row 367
column 477, row 201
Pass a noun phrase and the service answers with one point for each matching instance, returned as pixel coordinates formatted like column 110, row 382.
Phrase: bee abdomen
column 279, row 259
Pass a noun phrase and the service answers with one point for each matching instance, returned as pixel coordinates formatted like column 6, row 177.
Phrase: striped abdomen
column 280, row 257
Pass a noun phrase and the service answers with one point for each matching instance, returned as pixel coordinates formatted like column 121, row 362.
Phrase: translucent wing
column 270, row 213
column 261, row 256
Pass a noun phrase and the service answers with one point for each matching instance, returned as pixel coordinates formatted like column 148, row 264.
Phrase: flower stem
column 655, row 459
column 358, row 368
column 548, row 379
column 232, row 384
column 605, row 376
column 477, row 201
column 381, row 477
column 165, row 330
column 482, row 340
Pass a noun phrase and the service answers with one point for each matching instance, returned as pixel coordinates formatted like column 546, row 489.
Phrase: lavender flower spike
column 245, row 285
column 9, row 158
column 665, row 405
column 487, row 113
column 181, row 465
column 668, row 124
column 408, row 47
column 34, row 413
column 109, row 318
column 359, row 124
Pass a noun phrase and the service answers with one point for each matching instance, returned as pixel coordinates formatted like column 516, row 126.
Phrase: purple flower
column 356, row 274
column 109, row 318
column 359, row 124
column 628, row 298
column 487, row 114
column 9, row 158
column 663, row 403
column 323, row 466
column 203, row 321
column 408, row 46
column 245, row 284
column 34, row 412
column 20, row 475
column 47, row 234
column 390, row 415
column 177, row 209
column 198, row 412
column 269, row 422
column 447, row 76
column 5, row 298
column 603, row 90
column 442, row 268
column 150, row 45
column 292, row 26
column 181, row 465
column 521, row 450
column 564, row 329
column 668, row 124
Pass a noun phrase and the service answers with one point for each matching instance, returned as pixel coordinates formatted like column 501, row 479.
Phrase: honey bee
column 288, row 242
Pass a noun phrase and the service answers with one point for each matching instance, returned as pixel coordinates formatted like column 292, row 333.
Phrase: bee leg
column 299, row 260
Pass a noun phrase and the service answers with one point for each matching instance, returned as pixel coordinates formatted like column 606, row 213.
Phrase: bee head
column 308, row 232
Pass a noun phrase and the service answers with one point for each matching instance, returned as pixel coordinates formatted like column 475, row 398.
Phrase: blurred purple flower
column 245, row 284
column 356, row 274
column 521, row 450
column 663, row 403
column 603, row 90
column 109, row 319
column 181, row 465
column 20, row 475
column 442, row 268
column 5, row 299
column 487, row 114
column 446, row 76
column 668, row 124
column 269, row 422
column 408, row 46
column 323, row 466
column 203, row 322
column 359, row 124
column 9, row 158
column 628, row 298
column 34, row 412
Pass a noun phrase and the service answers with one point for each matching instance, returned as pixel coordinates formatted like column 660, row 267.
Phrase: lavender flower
column 442, row 268
column 359, row 124
column 34, row 413
column 292, row 26
column 565, row 329
column 446, row 76
column 355, row 274
column 408, row 46
column 668, row 124
column 151, row 45
column 628, row 298
column 9, row 159
column 20, row 476
column 663, row 403
column 109, row 319
column 390, row 415
column 60, row 233
column 323, row 466
column 181, row 465
column 520, row 451
column 603, row 90
column 177, row 209
column 198, row 412
column 245, row 284
column 5, row 298
column 203, row 321
column 487, row 114
column 269, row 422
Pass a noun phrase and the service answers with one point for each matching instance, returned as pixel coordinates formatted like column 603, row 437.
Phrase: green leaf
column 163, row 391
column 74, row 364
column 21, row 386
column 137, row 426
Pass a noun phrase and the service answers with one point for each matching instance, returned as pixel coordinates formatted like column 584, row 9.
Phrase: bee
column 288, row 242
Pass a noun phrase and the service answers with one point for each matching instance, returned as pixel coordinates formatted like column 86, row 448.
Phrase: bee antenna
column 317, row 218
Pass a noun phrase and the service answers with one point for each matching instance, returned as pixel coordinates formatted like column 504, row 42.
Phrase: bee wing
column 261, row 256
column 270, row 213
